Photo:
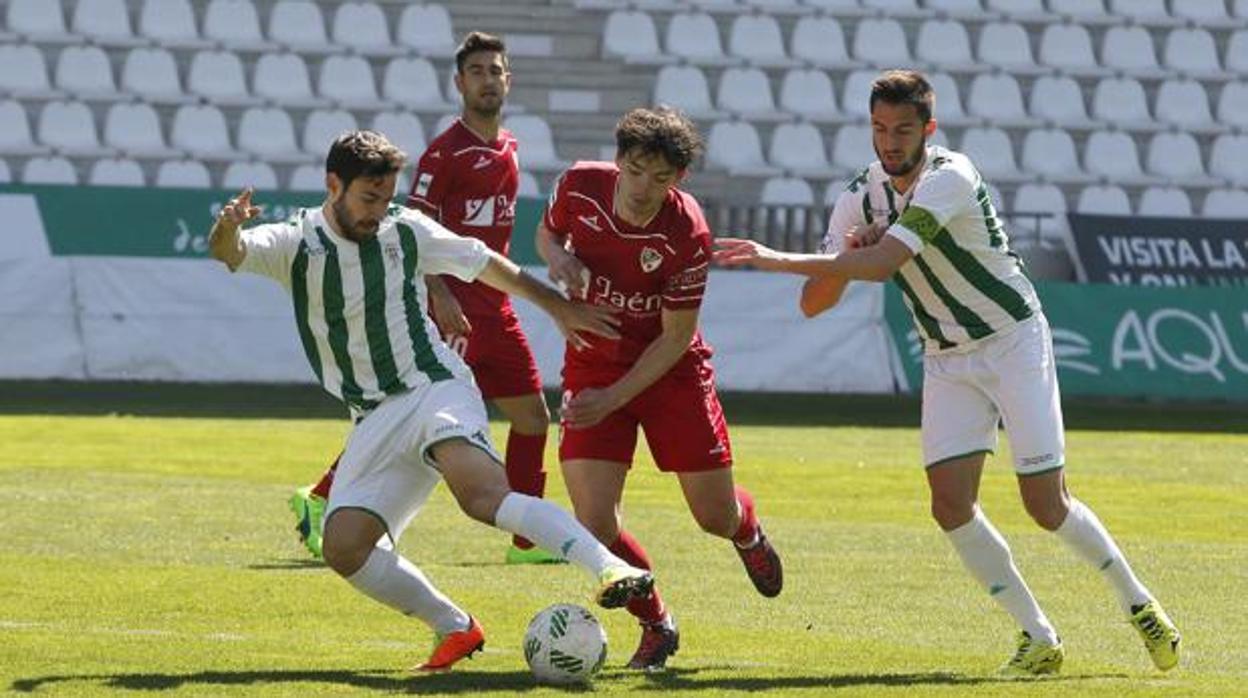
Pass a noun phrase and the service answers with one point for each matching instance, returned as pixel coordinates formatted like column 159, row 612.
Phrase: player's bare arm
column 447, row 313
column 224, row 242
column 822, row 292
column 572, row 318
column 565, row 269
column 592, row 405
column 876, row 262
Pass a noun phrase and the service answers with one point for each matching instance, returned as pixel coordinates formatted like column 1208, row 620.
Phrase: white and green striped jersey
column 361, row 308
column 963, row 283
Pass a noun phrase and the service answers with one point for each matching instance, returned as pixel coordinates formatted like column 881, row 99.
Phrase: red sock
column 327, row 480
column 648, row 610
column 749, row 520
column 524, row 469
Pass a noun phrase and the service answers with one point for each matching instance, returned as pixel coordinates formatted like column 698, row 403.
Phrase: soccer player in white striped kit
column 921, row 216
column 355, row 270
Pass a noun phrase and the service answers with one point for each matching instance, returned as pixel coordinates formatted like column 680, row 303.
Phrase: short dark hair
column 477, row 42
column 662, row 131
column 905, row 87
column 363, row 154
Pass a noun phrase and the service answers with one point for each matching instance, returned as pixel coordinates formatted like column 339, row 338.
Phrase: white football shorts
column 1011, row 377
column 386, row 467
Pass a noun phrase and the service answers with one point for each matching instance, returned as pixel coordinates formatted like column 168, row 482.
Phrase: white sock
column 1085, row 534
column 396, row 582
column 987, row 556
column 555, row 530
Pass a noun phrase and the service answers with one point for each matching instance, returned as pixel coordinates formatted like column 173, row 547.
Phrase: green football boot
column 309, row 512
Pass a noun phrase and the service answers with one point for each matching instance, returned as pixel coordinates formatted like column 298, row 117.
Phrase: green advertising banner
column 148, row 222
column 1186, row 343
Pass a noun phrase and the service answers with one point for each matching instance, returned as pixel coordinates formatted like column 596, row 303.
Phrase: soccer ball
column 565, row 644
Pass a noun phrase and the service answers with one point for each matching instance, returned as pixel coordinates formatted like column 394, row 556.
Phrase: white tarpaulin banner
column 39, row 336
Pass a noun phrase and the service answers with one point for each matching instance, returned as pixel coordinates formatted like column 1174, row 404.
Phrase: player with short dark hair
column 622, row 235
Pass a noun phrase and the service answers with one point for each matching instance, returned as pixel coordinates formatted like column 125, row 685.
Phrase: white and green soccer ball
column 565, row 644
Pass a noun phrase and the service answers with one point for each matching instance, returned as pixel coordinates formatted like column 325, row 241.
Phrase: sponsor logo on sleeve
column 422, row 184
column 590, row 222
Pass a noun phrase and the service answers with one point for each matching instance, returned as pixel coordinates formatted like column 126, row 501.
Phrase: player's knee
column 721, row 522
column 481, row 501
column 951, row 513
column 1048, row 513
column 343, row 554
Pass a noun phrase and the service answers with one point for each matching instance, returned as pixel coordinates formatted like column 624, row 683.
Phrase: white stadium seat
column 798, row 148
column 25, row 71
column 995, row 96
column 1130, row 48
column 1227, row 158
column 361, row 26
column 15, row 134
column 268, row 132
column 1058, row 99
column 1112, row 154
column 694, row 37
column 444, row 123
column 116, row 172
column 182, row 174
column 1164, row 201
column 1226, row 203
column 152, row 74
column 427, row 28
column 536, row 142
column 1022, row 8
column 233, row 24
column 312, row 178
column 808, row 93
column 218, row 75
column 787, row 191
column 201, row 130
column 257, row 175
column 84, row 71
column 1233, row 104
column 819, row 41
column 40, row 20
column 1051, row 154
column 1183, row 103
column 1176, row 156
column 6, row 175
column 1199, row 10
column 1121, row 101
column 135, row 129
column 948, row 98
column 404, row 130
column 852, row 149
column 1049, row 203
column 735, row 146
column 756, row 38
column 892, row 6
column 1005, row 45
column 881, row 41
column 631, row 34
column 967, row 8
column 1236, row 60
column 322, row 126
column 413, row 83
column 944, row 43
column 1079, row 9
column 1067, row 46
column 991, row 151
column 1140, row 10
column 169, row 22
column 298, row 24
column 49, row 170
column 528, row 186
column 70, row 128
column 102, row 19
column 1191, row 49
column 283, row 78
column 684, row 87
column 349, row 81
column 746, row 91
column 856, row 93
column 1104, row 200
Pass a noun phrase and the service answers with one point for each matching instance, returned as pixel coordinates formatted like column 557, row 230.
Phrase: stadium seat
column 537, row 145
column 944, row 43
column 268, row 133
column 348, row 80
column 1226, row 203
column 1192, row 50
column 1050, row 153
column 1023, row 9
column 444, row 122
column 747, row 92
column 84, row 71
column 15, row 134
column 1236, row 56
column 235, row 25
column 25, row 72
column 200, row 129
column 103, row 19
column 991, row 151
column 1121, row 102
column 38, row 20
column 892, row 6
column 631, row 35
column 777, row 7
column 135, row 130
column 185, row 174
column 798, row 149
column 283, row 78
column 404, row 130
column 819, row 41
column 1171, row 202
column 1112, row 154
column 1104, row 200
column 808, row 93
column 949, row 109
column 1148, row 11
column 49, row 170
column 1058, row 98
column 116, row 172
column 413, row 83
column 1239, row 8
column 1203, row 11
column 152, row 74
column 1068, row 46
column 257, row 175
column 787, row 191
column 836, row 6
column 528, row 188
column 685, row 87
column 1184, row 103
column 1175, row 155
column 856, row 93
column 298, row 25
column 1227, row 157
column 322, row 126
column 1078, row 9
column 70, row 128
column 362, row 27
column 312, row 178
column 996, row 97
column 735, row 146
column 756, row 38
column 1006, row 45
column 1233, row 104
column 6, row 175
column 1130, row 48
column 694, row 36
column 962, row 9
column 881, row 42
column 218, row 76
column 852, row 149
column 170, row 23
column 427, row 28
column 1047, row 223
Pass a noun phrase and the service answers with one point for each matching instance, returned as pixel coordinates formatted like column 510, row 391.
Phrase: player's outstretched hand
column 588, row 407
column 238, row 210
column 575, row 317
column 739, row 252
column 448, row 315
column 568, row 273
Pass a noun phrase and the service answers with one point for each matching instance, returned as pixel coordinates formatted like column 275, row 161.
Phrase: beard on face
column 486, row 107
column 907, row 165
column 353, row 229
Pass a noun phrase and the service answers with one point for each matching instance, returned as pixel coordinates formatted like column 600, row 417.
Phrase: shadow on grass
column 289, row 565
column 687, row 679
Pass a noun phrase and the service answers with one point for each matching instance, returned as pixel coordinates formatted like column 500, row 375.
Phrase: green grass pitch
column 153, row 554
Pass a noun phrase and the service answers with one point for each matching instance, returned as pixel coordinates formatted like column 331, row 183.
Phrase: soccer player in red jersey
column 467, row 180
column 621, row 234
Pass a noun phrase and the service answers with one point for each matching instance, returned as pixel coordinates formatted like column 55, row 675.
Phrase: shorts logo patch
column 650, row 259
column 1038, row 460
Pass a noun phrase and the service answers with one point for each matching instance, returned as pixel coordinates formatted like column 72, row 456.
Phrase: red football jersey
column 641, row 271
column 469, row 186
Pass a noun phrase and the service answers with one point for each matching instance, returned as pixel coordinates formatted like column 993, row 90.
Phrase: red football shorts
column 680, row 414
column 498, row 353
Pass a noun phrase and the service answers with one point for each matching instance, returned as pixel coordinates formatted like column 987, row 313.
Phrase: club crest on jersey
column 393, row 253
column 650, row 259
column 591, row 222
